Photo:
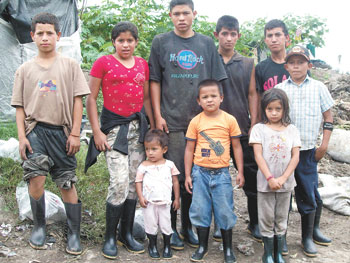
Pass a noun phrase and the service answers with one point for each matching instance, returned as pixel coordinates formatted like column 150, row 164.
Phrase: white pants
column 157, row 215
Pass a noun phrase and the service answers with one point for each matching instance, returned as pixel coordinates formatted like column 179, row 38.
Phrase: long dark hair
column 270, row 96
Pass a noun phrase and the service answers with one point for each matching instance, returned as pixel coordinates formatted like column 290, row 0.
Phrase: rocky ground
column 14, row 235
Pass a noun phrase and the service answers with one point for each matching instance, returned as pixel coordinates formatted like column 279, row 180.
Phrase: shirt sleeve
column 97, row 69
column 174, row 170
column 17, row 92
column 218, row 70
column 140, row 173
column 325, row 98
column 80, row 85
column 192, row 132
column 258, row 79
column 296, row 137
column 235, row 131
column 155, row 72
column 146, row 69
column 255, row 135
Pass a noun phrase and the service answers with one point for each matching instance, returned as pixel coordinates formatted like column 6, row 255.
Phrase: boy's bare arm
column 147, row 104
column 188, row 160
column 91, row 106
column 238, row 153
column 291, row 166
column 253, row 101
column 23, row 141
column 321, row 151
column 176, row 188
column 155, row 89
column 73, row 142
column 259, row 158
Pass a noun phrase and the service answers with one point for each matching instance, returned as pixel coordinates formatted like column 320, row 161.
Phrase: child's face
column 227, row 38
column 125, row 45
column 276, row 40
column 45, row 37
column 154, row 151
column 182, row 17
column 297, row 66
column 210, row 99
column 274, row 112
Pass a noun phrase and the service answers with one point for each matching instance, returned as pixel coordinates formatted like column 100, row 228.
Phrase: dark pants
column 306, row 176
column 250, row 168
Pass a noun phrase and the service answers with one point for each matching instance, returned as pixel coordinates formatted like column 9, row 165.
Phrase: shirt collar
column 307, row 79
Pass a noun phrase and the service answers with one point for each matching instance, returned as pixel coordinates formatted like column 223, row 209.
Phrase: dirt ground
column 336, row 226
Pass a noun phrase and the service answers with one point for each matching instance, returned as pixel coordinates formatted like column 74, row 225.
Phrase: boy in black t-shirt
column 179, row 60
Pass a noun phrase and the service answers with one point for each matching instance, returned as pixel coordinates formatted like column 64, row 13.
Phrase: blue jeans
column 306, row 176
column 212, row 191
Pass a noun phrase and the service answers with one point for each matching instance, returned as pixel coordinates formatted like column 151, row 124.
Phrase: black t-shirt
column 268, row 74
column 179, row 64
column 236, row 89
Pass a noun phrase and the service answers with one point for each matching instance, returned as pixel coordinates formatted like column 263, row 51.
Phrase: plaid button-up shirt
column 307, row 102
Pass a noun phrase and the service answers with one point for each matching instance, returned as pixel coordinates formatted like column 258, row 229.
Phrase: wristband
column 269, row 178
column 74, row 135
column 328, row 126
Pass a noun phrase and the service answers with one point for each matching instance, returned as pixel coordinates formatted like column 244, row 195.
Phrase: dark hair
column 228, row 22
column 276, row 23
column 45, row 18
column 157, row 135
column 270, row 96
column 174, row 3
column 122, row 27
column 209, row 82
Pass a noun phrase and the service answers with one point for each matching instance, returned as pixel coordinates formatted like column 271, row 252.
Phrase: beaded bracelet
column 270, row 177
column 74, row 135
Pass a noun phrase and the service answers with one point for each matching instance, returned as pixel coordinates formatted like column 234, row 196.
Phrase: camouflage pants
column 122, row 168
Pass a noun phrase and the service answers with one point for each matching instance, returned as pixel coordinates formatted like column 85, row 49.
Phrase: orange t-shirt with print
column 213, row 137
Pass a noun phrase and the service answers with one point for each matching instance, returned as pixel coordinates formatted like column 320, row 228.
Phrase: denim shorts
column 212, row 192
column 49, row 156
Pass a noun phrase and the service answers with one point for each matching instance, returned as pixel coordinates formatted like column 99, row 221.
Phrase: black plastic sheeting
column 20, row 13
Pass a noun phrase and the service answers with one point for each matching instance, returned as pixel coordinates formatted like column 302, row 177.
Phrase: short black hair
column 157, row 135
column 274, row 23
column 122, row 27
column 45, row 18
column 174, row 3
column 229, row 22
column 270, row 96
column 209, row 82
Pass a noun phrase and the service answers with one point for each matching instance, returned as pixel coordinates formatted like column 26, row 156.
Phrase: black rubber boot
column 176, row 242
column 253, row 227
column 268, row 249
column 186, row 232
column 152, row 246
column 113, row 214
column 278, row 245
column 125, row 237
column 307, row 227
column 317, row 236
column 167, row 253
column 227, row 243
column 202, row 250
column 38, row 236
column 73, row 212
column 217, row 233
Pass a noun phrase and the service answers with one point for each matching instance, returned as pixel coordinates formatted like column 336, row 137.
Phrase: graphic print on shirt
column 278, row 148
column 273, row 81
column 188, row 60
column 216, row 146
column 47, row 86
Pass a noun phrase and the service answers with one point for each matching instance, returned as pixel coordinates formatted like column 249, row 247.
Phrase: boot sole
column 308, row 254
column 44, row 247
column 217, row 239
column 285, row 253
column 256, row 239
column 109, row 257
column 322, row 243
column 188, row 243
column 177, row 248
column 76, row 253
column 199, row 260
column 128, row 249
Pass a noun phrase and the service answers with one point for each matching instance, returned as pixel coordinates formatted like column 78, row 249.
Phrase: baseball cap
column 298, row 50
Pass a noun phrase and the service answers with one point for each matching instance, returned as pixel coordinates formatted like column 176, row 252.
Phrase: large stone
column 339, row 145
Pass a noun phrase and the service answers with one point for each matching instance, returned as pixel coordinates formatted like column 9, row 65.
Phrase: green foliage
column 8, row 130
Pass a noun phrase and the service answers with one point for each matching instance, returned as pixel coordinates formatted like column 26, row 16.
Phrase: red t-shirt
column 122, row 87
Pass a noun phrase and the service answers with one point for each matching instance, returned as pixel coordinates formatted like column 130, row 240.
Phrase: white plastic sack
column 335, row 193
column 54, row 207
column 339, row 146
column 9, row 149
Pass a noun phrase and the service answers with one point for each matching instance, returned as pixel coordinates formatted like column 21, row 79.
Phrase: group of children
column 202, row 108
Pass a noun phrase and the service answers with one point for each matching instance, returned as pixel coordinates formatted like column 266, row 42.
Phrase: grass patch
column 8, row 130
column 92, row 191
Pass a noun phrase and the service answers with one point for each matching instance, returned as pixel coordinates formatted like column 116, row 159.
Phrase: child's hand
column 274, row 184
column 281, row 180
column 188, row 184
column 176, row 204
column 161, row 125
column 143, row 202
column 72, row 145
column 101, row 143
column 320, row 152
column 24, row 144
column 240, row 180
